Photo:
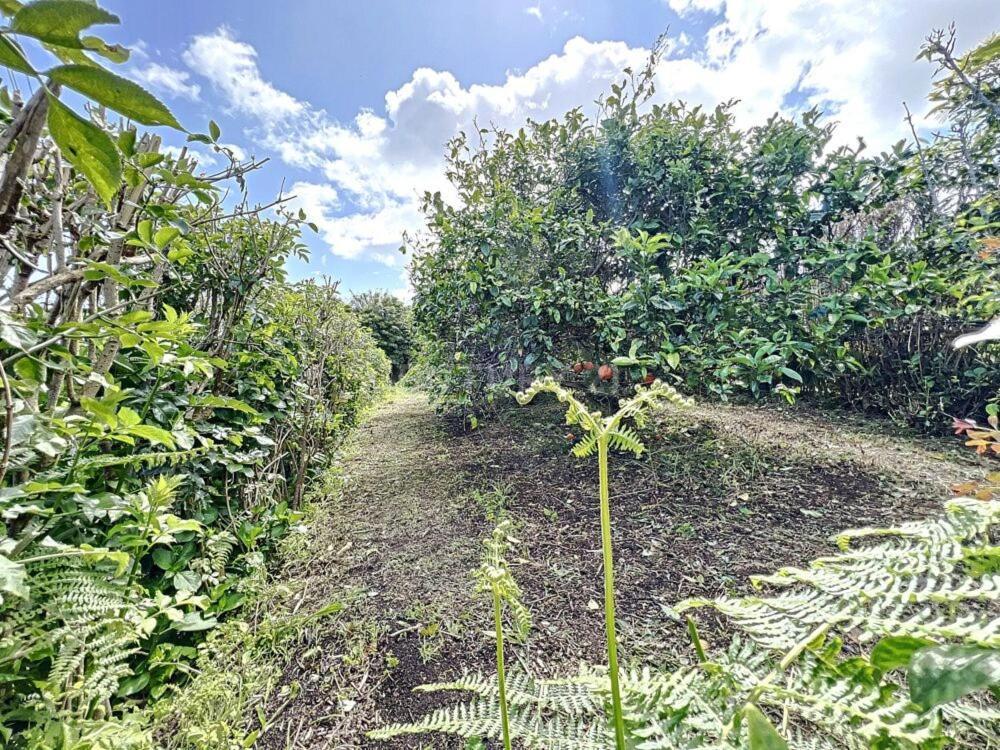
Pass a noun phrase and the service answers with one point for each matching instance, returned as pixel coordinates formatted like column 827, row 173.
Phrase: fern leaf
column 627, row 440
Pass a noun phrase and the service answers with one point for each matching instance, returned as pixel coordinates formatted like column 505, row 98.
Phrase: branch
column 243, row 212
column 9, row 427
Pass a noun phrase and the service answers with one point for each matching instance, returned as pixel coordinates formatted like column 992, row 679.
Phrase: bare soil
column 724, row 492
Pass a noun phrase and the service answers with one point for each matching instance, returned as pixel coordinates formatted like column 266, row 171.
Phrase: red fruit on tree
column 648, row 380
column 605, row 372
column 578, row 368
column 588, row 366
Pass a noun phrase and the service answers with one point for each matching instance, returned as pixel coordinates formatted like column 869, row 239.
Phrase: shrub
column 391, row 323
column 740, row 262
column 149, row 427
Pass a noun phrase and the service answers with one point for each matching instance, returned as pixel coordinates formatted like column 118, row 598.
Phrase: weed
column 494, row 502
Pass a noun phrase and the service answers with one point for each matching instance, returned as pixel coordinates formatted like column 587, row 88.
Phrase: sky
column 353, row 101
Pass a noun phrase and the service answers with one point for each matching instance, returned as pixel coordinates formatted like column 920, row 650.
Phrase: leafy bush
column 742, row 263
column 150, row 430
column 391, row 323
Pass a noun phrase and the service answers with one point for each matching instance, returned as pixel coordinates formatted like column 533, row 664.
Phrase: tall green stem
column 501, row 677
column 609, row 592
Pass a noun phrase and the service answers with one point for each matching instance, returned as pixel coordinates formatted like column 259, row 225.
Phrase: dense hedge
column 736, row 262
column 391, row 322
column 166, row 397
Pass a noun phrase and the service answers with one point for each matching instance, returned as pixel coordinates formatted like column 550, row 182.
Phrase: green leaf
column 981, row 561
column 115, row 92
column 97, row 270
column 116, row 53
column 155, row 435
column 59, row 22
column 895, row 652
column 30, row 370
column 165, row 235
column 213, row 130
column 193, row 621
column 86, row 147
column 12, row 57
column 760, row 731
column 945, row 673
column 11, row 333
column 223, row 402
column 12, row 579
column 128, row 417
column 163, row 558
column 126, row 141
column 145, row 231
column 102, row 410
column 132, row 685
column 187, row 580
column 788, row 372
column 673, row 359
column 120, row 558
column 147, row 160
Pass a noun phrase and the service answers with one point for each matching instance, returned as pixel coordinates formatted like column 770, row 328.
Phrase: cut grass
column 724, row 492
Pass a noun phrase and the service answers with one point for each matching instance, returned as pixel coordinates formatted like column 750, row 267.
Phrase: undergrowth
column 237, row 690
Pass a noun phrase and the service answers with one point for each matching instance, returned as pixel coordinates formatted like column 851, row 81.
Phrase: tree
column 391, row 323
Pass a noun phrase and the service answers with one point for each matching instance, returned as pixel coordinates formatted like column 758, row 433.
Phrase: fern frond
column 586, row 446
column 482, row 718
column 570, row 697
column 85, row 617
column 913, row 583
column 218, row 550
column 627, row 440
column 977, row 725
column 576, row 412
column 494, row 576
column 846, row 701
column 152, row 460
column 647, row 398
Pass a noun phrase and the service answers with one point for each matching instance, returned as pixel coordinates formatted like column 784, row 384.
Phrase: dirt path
column 723, row 493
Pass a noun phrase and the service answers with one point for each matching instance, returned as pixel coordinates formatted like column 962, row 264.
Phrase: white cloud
column 388, row 259
column 231, row 66
column 404, row 294
column 166, row 80
column 535, row 11
column 686, row 7
column 350, row 234
column 852, row 58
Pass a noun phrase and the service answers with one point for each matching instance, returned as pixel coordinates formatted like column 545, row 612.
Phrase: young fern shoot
column 603, row 433
column 494, row 577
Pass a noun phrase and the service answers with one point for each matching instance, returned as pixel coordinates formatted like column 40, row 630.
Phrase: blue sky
column 353, row 101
